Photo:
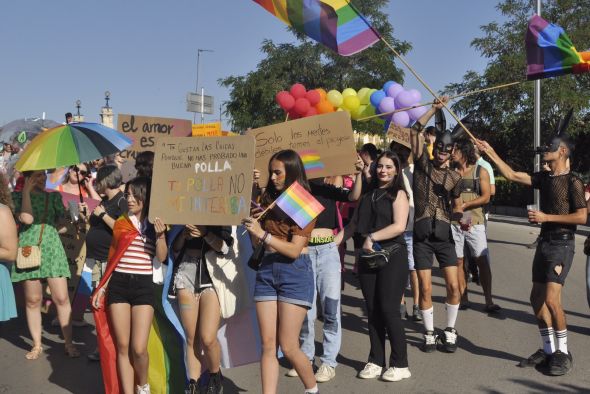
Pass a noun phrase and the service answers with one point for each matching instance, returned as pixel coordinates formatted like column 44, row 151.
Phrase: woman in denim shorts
column 198, row 303
column 284, row 282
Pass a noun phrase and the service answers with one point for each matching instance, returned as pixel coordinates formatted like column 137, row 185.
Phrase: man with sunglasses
column 436, row 190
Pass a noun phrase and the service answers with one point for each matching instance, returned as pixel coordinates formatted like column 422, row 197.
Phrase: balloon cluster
column 353, row 102
column 393, row 96
column 299, row 102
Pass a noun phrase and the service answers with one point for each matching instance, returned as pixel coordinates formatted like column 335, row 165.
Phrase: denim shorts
column 283, row 279
column 548, row 256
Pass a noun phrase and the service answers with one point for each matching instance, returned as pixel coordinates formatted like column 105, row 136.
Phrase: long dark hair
column 140, row 187
column 294, row 171
column 397, row 183
column 465, row 146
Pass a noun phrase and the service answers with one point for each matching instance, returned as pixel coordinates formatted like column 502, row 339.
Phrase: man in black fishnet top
column 562, row 208
column 435, row 188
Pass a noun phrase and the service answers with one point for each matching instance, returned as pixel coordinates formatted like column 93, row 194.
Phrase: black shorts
column 550, row 254
column 132, row 289
column 443, row 250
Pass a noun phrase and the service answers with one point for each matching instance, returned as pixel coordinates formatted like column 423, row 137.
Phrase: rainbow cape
column 335, row 23
column 299, row 204
column 166, row 372
column 550, row 52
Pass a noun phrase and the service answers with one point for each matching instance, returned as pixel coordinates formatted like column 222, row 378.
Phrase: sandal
column 492, row 308
column 35, row 353
column 71, row 351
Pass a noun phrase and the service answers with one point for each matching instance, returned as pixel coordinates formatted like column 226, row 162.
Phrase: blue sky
column 145, row 51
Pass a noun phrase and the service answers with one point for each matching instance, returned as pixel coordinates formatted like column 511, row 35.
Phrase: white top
column 408, row 174
column 482, row 162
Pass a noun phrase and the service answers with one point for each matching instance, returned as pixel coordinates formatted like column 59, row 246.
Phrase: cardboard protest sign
column 207, row 130
column 205, row 181
column 399, row 134
column 324, row 142
column 73, row 241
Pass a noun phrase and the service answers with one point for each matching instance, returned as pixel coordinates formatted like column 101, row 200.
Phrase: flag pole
column 401, row 58
column 450, row 98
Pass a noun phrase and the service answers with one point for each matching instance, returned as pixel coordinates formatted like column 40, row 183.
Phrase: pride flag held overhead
column 550, row 52
column 335, row 23
column 299, row 204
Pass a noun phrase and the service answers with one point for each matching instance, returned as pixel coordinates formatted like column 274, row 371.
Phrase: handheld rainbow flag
column 301, row 206
column 335, row 23
column 550, row 52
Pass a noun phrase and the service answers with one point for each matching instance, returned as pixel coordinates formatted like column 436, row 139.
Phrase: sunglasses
column 78, row 170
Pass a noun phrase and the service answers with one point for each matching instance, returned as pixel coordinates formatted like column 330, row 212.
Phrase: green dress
column 54, row 263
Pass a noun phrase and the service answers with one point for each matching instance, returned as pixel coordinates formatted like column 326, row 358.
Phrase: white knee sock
column 428, row 318
column 561, row 340
column 548, row 340
column 452, row 311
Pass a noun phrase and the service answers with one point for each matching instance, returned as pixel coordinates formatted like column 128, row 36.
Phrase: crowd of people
column 403, row 207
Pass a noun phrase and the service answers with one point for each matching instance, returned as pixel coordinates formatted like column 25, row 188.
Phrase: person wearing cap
column 562, row 208
column 437, row 200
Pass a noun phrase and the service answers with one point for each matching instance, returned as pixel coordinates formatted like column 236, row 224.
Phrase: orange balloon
column 323, row 94
column 324, row 107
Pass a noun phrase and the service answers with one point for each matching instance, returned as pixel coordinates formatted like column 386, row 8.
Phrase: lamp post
column 78, row 105
column 199, row 51
column 107, row 97
column 537, row 126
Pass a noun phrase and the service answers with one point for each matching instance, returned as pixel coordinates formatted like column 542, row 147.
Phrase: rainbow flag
column 335, row 23
column 299, row 204
column 311, row 161
column 550, row 51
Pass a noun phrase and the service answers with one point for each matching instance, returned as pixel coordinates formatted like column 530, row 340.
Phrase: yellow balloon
column 351, row 103
column 364, row 95
column 335, row 98
column 348, row 92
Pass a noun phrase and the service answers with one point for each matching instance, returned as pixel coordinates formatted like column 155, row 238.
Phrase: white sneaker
column 396, row 374
column 371, row 371
column 325, row 373
column 145, row 389
column 292, row 373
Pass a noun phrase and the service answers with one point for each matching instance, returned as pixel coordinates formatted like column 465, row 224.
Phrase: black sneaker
column 429, row 345
column 560, row 363
column 537, row 358
column 193, row 387
column 214, row 385
column 449, row 340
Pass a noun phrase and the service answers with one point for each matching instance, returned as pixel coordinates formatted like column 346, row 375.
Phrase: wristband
column 267, row 238
column 266, row 234
column 102, row 215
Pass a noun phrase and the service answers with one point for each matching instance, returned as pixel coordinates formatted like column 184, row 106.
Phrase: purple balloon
column 394, row 90
column 387, row 84
column 416, row 96
column 417, row 113
column 401, row 118
column 404, row 99
column 387, row 105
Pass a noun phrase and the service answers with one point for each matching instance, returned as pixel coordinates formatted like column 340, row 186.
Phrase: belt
column 567, row 236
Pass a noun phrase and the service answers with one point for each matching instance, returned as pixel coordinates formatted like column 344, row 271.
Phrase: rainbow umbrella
column 71, row 144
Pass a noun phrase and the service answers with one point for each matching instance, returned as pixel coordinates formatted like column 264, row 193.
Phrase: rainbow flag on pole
column 335, row 23
column 550, row 52
column 299, row 204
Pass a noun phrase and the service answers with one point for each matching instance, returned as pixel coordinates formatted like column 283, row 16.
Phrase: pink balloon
column 404, row 99
column 417, row 113
column 313, row 96
column 401, row 118
column 394, row 90
column 387, row 104
column 310, row 112
column 298, row 90
column 301, row 106
column 286, row 101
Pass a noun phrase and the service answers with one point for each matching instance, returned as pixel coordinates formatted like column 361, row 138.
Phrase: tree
column 505, row 117
column 252, row 96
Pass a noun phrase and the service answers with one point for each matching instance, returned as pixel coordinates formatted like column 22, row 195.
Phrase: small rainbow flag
column 311, row 161
column 550, row 52
column 299, row 204
column 335, row 23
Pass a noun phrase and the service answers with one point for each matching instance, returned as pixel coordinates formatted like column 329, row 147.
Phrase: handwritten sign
column 399, row 134
column 145, row 132
column 73, row 241
column 325, row 144
column 206, row 181
column 207, row 130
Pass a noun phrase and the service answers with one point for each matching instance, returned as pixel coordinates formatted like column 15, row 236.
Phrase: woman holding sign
column 383, row 267
column 284, row 281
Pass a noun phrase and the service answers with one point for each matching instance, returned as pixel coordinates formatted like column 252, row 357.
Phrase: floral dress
column 54, row 263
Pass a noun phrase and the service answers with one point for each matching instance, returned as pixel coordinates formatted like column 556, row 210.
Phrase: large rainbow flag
column 335, row 23
column 550, row 52
column 299, row 204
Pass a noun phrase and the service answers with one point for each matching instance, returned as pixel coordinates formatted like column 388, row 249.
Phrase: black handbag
column 379, row 258
column 256, row 258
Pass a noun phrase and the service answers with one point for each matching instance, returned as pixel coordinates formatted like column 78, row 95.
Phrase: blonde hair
column 5, row 195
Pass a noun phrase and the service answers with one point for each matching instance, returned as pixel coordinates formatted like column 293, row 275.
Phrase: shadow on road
column 535, row 387
column 497, row 241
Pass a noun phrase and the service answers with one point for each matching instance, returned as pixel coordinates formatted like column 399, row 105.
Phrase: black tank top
column 376, row 213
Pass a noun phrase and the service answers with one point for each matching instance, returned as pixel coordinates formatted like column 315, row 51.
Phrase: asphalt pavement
column 490, row 347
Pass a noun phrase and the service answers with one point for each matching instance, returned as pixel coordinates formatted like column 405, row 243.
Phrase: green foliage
column 505, row 117
column 252, row 96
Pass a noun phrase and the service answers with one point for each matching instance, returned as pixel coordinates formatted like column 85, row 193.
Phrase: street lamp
column 78, row 105
column 107, row 96
column 199, row 51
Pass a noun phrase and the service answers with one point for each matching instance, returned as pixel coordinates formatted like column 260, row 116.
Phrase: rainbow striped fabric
column 550, row 52
column 335, row 23
column 311, row 161
column 299, row 204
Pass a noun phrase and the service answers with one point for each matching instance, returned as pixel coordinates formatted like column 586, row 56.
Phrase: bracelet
column 267, row 239
column 102, row 215
column 263, row 238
